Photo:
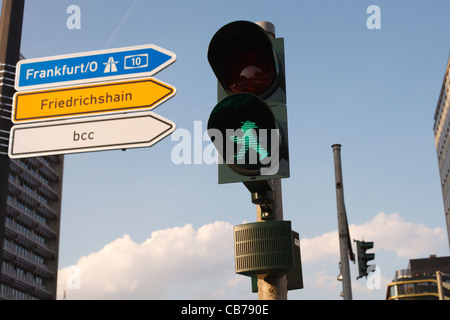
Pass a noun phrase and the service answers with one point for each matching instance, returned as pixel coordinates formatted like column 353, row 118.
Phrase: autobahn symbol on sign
column 132, row 130
column 93, row 66
column 113, row 97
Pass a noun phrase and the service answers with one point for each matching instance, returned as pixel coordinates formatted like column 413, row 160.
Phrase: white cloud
column 177, row 257
column 389, row 232
column 407, row 239
column 321, row 247
column 184, row 263
column 324, row 281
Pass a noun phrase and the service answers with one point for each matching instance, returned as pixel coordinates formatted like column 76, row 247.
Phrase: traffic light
column 363, row 257
column 248, row 126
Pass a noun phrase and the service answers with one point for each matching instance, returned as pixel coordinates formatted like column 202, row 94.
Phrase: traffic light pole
column 342, row 225
column 272, row 287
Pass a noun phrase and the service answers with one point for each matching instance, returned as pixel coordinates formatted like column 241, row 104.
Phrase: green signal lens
column 250, row 136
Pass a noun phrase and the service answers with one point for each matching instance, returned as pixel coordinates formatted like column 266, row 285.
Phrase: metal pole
column 272, row 287
column 342, row 225
column 10, row 36
column 439, row 285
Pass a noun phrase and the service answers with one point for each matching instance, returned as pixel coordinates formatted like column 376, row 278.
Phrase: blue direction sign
column 94, row 66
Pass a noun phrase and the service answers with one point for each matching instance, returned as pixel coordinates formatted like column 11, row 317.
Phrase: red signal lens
column 250, row 71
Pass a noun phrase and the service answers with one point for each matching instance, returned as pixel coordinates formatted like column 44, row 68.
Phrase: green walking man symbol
column 248, row 140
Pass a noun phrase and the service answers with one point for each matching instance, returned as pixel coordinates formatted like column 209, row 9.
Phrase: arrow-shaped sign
column 106, row 98
column 136, row 130
column 93, row 66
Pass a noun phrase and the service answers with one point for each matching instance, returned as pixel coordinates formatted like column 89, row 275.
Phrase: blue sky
column 139, row 226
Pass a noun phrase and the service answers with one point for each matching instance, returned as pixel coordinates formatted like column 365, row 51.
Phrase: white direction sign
column 122, row 131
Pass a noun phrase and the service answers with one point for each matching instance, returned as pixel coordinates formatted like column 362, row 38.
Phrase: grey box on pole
column 263, row 248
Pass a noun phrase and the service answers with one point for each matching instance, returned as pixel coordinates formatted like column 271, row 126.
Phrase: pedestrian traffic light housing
column 364, row 257
column 248, row 126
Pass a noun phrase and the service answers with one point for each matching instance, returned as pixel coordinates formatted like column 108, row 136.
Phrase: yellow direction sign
column 80, row 101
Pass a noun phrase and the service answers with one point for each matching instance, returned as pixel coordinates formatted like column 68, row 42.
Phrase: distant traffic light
column 248, row 126
column 364, row 257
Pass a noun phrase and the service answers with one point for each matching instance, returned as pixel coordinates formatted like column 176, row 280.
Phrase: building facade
column 30, row 211
column 30, row 229
column 442, row 140
column 425, row 279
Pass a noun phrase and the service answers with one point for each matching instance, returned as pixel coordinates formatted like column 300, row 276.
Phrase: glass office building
column 442, row 140
column 425, row 279
column 31, row 229
column 30, row 211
